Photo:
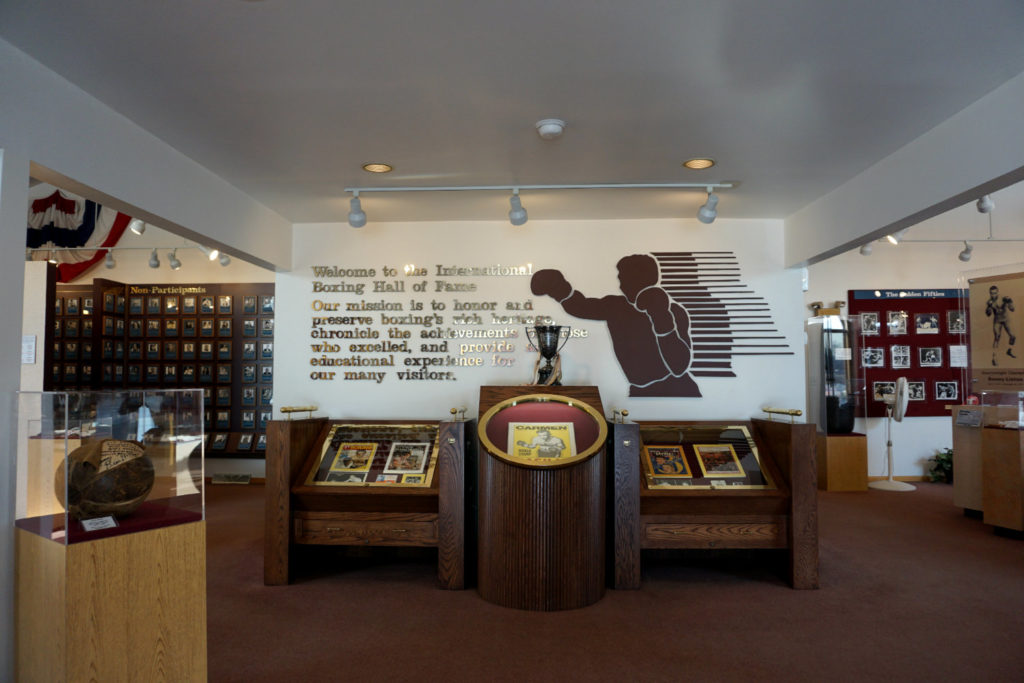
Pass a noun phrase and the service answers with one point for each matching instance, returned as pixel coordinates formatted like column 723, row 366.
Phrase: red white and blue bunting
column 61, row 224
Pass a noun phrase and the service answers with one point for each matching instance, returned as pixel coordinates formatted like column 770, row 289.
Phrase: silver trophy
column 547, row 344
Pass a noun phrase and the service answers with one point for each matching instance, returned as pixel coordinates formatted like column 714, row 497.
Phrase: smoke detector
column 549, row 129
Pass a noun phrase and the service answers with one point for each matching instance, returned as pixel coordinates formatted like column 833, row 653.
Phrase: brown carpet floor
column 911, row 590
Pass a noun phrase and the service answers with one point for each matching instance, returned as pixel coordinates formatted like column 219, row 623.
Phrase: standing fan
column 895, row 409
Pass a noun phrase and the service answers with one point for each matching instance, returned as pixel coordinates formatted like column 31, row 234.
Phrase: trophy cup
column 547, row 344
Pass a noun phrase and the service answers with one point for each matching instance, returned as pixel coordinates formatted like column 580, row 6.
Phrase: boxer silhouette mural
column 650, row 331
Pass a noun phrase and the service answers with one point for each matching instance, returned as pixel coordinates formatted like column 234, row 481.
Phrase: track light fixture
column 211, row 254
column 224, row 259
column 173, row 261
column 109, row 260
column 865, row 249
column 709, row 211
column 985, row 204
column 356, row 215
column 517, row 214
column 137, row 226
column 965, row 255
column 895, row 237
column 154, row 260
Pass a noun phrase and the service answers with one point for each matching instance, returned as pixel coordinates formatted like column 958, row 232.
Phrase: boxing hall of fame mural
column 996, row 317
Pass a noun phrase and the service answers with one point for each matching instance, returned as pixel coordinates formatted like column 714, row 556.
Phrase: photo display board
column 920, row 334
column 376, row 455
column 701, row 457
column 997, row 361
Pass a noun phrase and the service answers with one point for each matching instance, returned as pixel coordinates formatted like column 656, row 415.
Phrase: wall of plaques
column 920, row 334
column 217, row 336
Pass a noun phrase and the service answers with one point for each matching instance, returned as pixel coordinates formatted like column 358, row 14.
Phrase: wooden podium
column 541, row 524
column 842, row 462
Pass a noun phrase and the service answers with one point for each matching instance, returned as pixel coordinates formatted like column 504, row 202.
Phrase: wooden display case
column 302, row 510
column 842, row 462
column 779, row 513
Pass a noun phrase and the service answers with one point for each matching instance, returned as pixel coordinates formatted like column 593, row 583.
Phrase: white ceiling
column 285, row 100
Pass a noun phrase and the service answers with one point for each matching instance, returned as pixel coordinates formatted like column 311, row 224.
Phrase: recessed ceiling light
column 699, row 164
column 377, row 168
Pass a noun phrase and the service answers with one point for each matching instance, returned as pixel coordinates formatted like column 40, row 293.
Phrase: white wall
column 921, row 265
column 586, row 252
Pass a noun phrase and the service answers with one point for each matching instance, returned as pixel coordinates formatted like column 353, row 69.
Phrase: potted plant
column 942, row 465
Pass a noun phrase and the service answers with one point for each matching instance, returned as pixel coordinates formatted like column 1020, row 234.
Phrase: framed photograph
column 58, row 328
column 224, row 350
column 224, row 304
column 956, row 323
column 135, row 305
column 872, row 357
column 118, row 350
column 206, row 351
column 188, row 327
column 223, row 419
column 879, row 390
column 153, row 305
column 118, row 373
column 108, row 327
column 265, row 416
column 249, row 327
column 249, row 351
column 70, row 350
column 118, row 327
column 153, row 327
column 930, row 356
column 249, row 305
column 188, row 374
column 267, row 303
column 170, row 373
column 926, row 323
column 206, row 304
column 248, row 396
column 266, row 373
column 267, row 351
column 153, row 374
column 86, row 327
column 171, row 304
column 170, row 327
column 134, row 373
column 261, row 442
column 171, row 350
column 666, row 461
column 896, row 322
column 86, row 373
column 266, row 396
column 108, row 302
column 224, row 327
column 71, row 327
column 899, row 357
column 869, row 324
column 219, row 442
column 244, row 442
column 223, row 396
column 86, row 305
column 70, row 372
column 718, row 460
column 248, row 419
column 188, row 304
column 188, row 350
column 541, row 440
column 107, row 373
column 407, row 458
column 224, row 373
column 915, row 391
column 119, row 303
column 206, row 374
column 341, row 477
column 58, row 306
column 206, row 327
column 249, row 374
column 266, row 327
column 946, row 391
column 55, row 351
column 71, row 305
column 86, row 350
column 152, row 350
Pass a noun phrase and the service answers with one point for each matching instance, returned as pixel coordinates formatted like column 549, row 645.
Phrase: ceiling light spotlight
column 137, row 226
column 173, row 261
column 356, row 215
column 865, row 249
column 985, row 204
column 965, row 255
column 154, row 260
column 224, row 259
column 378, row 168
column 895, row 237
column 211, row 254
column 699, row 164
column 708, row 211
column 109, row 260
column 517, row 214
column 549, row 129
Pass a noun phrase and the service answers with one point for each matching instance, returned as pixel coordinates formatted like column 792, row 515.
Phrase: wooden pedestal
column 967, row 458
column 842, row 462
column 125, row 608
column 1002, row 472
column 541, row 530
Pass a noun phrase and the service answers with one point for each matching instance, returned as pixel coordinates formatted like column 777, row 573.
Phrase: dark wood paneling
column 710, row 532
column 625, row 526
column 365, row 528
column 288, row 443
column 451, row 542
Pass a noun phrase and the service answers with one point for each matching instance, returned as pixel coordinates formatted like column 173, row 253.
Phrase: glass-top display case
column 94, row 464
column 701, row 456
column 364, row 454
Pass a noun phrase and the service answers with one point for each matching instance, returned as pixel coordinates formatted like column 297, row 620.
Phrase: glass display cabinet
column 110, row 535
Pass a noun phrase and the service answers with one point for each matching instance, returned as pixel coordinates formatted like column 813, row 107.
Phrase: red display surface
column 149, row 515
column 911, row 333
column 584, row 426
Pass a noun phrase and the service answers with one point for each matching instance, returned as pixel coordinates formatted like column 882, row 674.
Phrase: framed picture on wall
column 206, row 304
column 915, row 391
column 249, row 351
column 869, row 323
column 135, row 305
column 223, row 350
column 171, row 304
column 900, row 357
column 872, row 357
column 188, row 304
column 224, row 304
column 153, row 350
column 879, row 390
column 71, row 305
column 956, row 323
column 153, row 305
column 188, row 327
column 188, row 350
column 930, row 356
column 926, row 323
column 87, row 305
column 946, row 391
column 896, row 322
column 171, row 350
column 249, row 305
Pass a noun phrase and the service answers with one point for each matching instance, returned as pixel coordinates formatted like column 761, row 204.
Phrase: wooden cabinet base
column 125, row 608
column 842, row 462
